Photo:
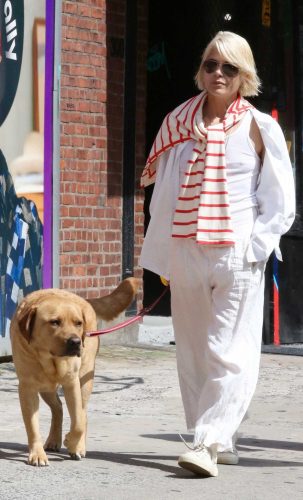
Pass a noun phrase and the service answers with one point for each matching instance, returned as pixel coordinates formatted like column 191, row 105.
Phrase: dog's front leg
column 75, row 439
column 29, row 401
column 54, row 440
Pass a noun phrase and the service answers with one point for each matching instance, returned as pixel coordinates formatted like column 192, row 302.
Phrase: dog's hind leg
column 54, row 440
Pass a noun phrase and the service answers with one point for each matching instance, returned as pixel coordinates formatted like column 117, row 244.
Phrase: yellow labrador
column 50, row 350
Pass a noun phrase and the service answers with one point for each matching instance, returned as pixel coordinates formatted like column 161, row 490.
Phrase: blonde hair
column 236, row 50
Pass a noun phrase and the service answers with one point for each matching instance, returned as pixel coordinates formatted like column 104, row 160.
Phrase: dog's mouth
column 67, row 354
column 73, row 347
column 72, row 354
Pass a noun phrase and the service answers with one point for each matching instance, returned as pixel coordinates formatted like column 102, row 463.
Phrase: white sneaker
column 230, row 457
column 199, row 461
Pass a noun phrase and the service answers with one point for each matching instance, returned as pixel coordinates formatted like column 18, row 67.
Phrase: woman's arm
column 275, row 195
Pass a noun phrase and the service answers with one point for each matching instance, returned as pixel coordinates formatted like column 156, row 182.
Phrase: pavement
column 135, row 415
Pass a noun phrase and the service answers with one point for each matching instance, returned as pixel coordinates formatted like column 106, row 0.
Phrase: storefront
column 71, row 151
column 84, row 86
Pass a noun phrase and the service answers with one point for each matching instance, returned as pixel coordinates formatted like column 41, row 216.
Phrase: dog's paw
column 75, row 447
column 52, row 443
column 52, row 446
column 37, row 458
column 75, row 456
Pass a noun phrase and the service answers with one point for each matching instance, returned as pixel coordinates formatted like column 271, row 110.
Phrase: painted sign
column 11, row 49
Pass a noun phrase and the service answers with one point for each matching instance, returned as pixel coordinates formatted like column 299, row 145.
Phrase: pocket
column 246, row 273
column 238, row 259
column 261, row 264
column 257, row 271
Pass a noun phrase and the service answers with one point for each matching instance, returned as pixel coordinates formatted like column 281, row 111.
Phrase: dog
column 50, row 349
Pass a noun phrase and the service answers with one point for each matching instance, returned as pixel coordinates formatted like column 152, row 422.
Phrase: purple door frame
column 48, row 145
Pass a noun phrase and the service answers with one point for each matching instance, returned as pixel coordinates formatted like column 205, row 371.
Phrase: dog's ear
column 26, row 319
column 84, row 330
column 87, row 320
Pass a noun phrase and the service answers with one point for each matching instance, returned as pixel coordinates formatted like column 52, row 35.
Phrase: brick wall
column 92, row 75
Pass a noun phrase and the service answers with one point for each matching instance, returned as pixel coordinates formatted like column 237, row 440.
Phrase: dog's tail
column 110, row 306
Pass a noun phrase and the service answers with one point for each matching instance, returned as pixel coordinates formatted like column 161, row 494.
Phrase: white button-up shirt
column 275, row 195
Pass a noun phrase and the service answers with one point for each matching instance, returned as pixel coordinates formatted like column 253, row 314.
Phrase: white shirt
column 274, row 194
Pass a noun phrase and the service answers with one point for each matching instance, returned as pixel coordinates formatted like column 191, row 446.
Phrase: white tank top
column 243, row 167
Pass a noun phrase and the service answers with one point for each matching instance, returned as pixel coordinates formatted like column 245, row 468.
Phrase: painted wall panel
column 22, row 42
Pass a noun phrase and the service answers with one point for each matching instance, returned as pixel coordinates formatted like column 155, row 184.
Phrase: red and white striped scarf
column 202, row 210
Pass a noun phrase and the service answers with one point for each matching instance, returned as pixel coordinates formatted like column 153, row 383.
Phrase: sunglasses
column 229, row 70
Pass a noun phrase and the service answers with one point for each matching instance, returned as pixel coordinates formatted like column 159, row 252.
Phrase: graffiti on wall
column 157, row 59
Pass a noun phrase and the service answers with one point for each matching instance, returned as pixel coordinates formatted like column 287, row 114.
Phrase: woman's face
column 217, row 82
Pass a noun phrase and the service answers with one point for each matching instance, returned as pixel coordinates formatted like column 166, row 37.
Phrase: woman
column 223, row 196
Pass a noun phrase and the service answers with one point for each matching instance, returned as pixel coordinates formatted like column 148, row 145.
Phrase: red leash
column 131, row 320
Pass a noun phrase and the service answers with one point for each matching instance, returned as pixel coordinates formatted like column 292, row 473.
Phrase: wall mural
column 21, row 229
column 11, row 48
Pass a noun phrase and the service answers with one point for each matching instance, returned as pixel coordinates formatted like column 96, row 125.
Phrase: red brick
column 91, row 115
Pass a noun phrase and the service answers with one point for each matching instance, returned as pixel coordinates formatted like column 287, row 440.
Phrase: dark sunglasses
column 211, row 65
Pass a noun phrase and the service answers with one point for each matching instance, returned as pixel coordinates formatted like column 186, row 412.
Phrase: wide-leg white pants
column 217, row 312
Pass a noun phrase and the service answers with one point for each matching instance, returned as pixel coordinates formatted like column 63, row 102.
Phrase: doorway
column 176, row 38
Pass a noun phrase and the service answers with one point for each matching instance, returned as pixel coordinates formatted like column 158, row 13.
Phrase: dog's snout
column 73, row 345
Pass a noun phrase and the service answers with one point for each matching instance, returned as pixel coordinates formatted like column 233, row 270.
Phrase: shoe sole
column 224, row 460
column 198, row 469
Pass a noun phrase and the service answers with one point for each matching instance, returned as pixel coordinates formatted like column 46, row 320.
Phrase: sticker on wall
column 11, row 48
column 266, row 13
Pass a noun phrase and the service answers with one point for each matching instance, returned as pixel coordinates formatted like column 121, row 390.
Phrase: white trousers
column 217, row 311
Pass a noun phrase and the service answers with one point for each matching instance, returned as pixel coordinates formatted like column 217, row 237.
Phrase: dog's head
column 54, row 324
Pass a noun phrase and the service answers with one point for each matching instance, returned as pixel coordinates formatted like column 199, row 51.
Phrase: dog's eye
column 55, row 322
column 79, row 323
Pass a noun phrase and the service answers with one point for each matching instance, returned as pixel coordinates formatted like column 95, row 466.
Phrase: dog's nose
column 73, row 342
column 73, row 345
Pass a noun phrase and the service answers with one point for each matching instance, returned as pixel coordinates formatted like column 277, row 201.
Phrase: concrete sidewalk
column 135, row 415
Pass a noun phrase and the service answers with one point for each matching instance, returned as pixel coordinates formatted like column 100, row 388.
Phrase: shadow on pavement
column 143, row 460
column 260, row 443
column 18, row 453
column 151, row 461
column 108, row 384
column 270, row 443
column 264, row 462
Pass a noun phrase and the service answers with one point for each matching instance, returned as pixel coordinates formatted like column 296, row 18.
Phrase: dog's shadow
column 17, row 452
